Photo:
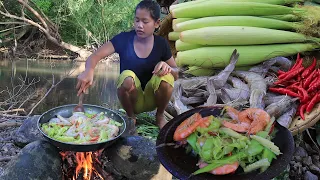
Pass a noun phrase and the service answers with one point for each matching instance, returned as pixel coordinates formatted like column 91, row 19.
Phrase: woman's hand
column 85, row 79
column 161, row 69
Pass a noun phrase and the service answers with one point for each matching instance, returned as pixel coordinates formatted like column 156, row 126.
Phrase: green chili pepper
column 254, row 148
column 217, row 163
column 206, row 149
column 268, row 154
column 192, row 140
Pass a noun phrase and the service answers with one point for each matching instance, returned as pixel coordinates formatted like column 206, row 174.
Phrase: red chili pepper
column 301, row 111
column 281, row 72
column 294, row 84
column 314, row 86
column 295, row 66
column 299, row 78
column 284, row 91
column 297, row 60
column 290, row 75
column 309, row 69
column 308, row 80
column 304, row 93
column 313, row 101
column 271, row 129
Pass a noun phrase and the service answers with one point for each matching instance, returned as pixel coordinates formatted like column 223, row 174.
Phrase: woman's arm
column 174, row 70
column 102, row 52
column 166, row 67
column 85, row 79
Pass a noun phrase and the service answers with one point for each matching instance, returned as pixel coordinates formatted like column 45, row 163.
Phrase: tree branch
column 35, row 13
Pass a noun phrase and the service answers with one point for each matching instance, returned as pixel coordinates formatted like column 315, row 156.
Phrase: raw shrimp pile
column 237, row 139
column 82, row 128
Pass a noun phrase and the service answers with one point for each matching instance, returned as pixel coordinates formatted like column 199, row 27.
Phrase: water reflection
column 103, row 90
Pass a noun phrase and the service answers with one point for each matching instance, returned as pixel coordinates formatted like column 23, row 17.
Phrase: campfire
column 83, row 166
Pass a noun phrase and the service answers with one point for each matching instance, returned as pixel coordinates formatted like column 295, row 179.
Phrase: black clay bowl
column 182, row 165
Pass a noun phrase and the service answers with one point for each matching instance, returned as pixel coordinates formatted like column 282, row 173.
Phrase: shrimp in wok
column 251, row 120
column 82, row 128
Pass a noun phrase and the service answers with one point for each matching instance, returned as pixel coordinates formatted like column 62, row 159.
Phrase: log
column 9, row 124
column 2, row 159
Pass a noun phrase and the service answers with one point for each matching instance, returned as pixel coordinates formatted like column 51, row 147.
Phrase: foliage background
column 83, row 22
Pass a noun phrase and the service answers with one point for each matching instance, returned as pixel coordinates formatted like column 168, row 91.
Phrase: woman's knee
column 128, row 84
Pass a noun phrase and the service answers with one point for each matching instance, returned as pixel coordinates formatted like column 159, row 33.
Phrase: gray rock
column 315, row 160
column 297, row 158
column 299, row 151
column 309, row 176
column 314, row 169
column 310, row 150
column 133, row 157
column 28, row 132
column 38, row 160
column 307, row 161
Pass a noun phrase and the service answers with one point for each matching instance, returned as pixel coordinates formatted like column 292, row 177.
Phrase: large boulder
column 28, row 132
column 132, row 157
column 38, row 160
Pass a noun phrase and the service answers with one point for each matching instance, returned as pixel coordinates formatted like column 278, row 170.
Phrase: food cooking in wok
column 235, row 141
column 82, row 128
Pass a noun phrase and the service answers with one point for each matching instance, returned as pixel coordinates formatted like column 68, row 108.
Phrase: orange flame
column 84, row 161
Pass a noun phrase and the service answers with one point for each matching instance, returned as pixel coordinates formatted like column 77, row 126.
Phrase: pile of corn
column 207, row 31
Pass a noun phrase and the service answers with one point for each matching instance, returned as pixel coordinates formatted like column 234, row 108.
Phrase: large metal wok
column 182, row 165
column 66, row 111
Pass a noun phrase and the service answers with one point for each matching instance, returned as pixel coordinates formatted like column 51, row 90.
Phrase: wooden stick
column 13, row 110
column 9, row 124
column 6, row 158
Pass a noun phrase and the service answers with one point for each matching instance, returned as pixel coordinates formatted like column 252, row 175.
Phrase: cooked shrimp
column 232, row 112
column 189, row 125
column 259, row 117
column 222, row 170
column 113, row 130
column 239, row 127
column 251, row 120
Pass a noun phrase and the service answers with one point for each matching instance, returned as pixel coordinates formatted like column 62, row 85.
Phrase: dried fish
column 285, row 119
column 270, row 80
column 278, row 108
column 220, row 79
column 238, row 83
column 274, row 99
column 257, row 86
column 212, row 99
column 193, row 83
column 263, row 68
column 237, row 94
column 177, row 104
column 192, row 100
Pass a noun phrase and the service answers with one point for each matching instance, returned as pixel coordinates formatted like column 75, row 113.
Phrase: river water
column 102, row 92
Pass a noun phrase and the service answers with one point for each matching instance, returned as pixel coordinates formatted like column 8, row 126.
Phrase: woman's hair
column 152, row 6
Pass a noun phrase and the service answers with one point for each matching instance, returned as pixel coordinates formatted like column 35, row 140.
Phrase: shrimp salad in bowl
column 235, row 140
column 82, row 128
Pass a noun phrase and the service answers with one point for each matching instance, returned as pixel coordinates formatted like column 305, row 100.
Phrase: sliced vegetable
column 232, row 133
column 267, row 154
column 259, row 164
column 218, row 163
column 254, row 148
column 266, row 143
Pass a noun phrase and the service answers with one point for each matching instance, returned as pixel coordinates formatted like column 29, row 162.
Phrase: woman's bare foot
column 161, row 120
